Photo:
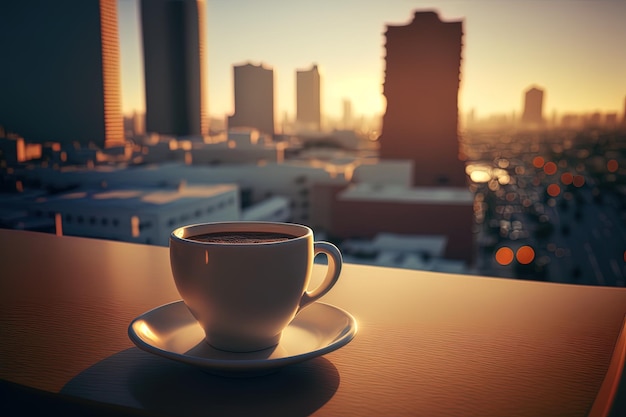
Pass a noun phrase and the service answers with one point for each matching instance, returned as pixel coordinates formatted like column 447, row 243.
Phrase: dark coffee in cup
column 241, row 237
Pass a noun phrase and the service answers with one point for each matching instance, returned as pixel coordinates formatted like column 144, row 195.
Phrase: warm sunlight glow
column 58, row 224
column 146, row 331
column 504, row 255
column 122, row 194
column 525, row 255
column 134, row 226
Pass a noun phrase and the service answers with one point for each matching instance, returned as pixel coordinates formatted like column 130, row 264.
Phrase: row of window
column 104, row 221
column 80, row 219
column 91, row 220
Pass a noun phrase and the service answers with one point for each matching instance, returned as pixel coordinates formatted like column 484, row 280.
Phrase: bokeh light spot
column 612, row 165
column 525, row 255
column 567, row 178
column 578, row 180
column 554, row 190
column 550, row 168
column 504, row 255
column 538, row 162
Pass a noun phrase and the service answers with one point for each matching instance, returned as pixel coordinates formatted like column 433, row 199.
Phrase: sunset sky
column 573, row 49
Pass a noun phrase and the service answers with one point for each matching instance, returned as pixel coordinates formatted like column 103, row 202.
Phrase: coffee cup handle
column 332, row 273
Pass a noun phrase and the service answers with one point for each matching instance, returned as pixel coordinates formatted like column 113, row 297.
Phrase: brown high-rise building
column 533, row 107
column 60, row 72
column 254, row 98
column 308, row 99
column 174, row 66
column 421, row 86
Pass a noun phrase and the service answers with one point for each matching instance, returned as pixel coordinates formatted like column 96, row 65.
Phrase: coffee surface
column 241, row 237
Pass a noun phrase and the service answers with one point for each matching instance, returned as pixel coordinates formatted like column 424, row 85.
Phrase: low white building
column 274, row 209
column 257, row 183
column 240, row 146
column 417, row 252
column 139, row 215
column 385, row 172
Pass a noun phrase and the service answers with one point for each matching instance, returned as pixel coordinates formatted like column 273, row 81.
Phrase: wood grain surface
column 428, row 344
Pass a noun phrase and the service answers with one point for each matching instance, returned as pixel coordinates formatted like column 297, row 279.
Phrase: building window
column 80, row 219
column 171, row 222
column 209, row 209
column 145, row 225
column 68, row 218
column 105, row 221
column 443, row 180
column 198, row 213
column 92, row 220
column 116, row 222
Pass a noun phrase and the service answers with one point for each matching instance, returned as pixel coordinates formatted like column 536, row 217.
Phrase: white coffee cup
column 244, row 294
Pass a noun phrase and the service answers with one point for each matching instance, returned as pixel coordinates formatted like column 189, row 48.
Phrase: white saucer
column 172, row 332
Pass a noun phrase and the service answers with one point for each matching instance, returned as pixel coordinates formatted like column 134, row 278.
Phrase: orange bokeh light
column 567, row 178
column 554, row 190
column 579, row 180
column 538, row 162
column 504, row 255
column 525, row 255
column 612, row 165
column 550, row 168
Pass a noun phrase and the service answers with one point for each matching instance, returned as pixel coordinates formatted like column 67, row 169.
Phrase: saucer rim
column 234, row 365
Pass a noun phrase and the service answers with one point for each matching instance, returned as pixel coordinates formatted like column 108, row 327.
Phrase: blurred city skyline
column 571, row 49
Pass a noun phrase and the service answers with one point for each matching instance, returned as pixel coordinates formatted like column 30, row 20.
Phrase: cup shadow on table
column 137, row 379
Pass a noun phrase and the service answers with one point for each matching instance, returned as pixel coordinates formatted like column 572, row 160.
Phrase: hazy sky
column 573, row 49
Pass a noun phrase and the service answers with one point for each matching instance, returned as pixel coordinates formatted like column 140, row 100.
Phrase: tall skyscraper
column 308, row 103
column 174, row 65
column 347, row 114
column 254, row 98
column 533, row 107
column 60, row 72
column 421, row 87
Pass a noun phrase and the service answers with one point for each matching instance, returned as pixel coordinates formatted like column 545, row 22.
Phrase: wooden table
column 428, row 344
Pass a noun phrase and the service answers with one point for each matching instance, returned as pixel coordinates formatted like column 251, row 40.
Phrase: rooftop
column 401, row 194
